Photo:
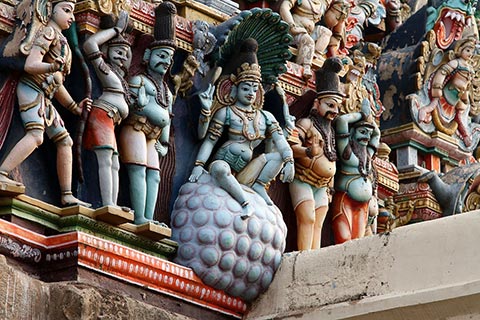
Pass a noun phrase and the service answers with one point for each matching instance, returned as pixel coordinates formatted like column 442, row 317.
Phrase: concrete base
column 423, row 271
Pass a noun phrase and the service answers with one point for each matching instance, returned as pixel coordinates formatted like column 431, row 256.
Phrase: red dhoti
column 349, row 217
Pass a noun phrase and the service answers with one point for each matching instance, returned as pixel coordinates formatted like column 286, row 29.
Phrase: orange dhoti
column 349, row 217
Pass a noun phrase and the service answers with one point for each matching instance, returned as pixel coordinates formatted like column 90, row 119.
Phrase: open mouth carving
column 449, row 27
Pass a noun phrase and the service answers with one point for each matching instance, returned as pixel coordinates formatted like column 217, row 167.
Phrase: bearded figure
column 358, row 138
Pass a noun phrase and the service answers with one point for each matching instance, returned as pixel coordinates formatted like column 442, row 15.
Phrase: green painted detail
column 273, row 38
column 164, row 249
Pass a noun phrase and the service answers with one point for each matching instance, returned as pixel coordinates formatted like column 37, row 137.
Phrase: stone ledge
column 419, row 268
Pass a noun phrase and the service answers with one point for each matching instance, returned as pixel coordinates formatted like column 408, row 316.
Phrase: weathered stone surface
column 22, row 297
column 420, row 270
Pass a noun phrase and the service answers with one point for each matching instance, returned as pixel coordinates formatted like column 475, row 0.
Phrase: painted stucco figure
column 48, row 62
column 240, row 101
column 111, row 107
column 315, row 157
column 311, row 37
column 358, row 138
column 450, row 93
column 145, row 133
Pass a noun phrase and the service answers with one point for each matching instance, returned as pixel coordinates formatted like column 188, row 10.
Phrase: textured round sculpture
column 226, row 252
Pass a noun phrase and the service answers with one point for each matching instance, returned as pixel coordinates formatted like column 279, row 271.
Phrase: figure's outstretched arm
column 95, row 41
column 342, row 128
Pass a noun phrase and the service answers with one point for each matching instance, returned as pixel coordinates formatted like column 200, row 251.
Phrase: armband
column 95, row 55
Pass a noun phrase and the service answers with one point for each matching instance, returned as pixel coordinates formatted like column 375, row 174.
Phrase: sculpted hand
column 122, row 22
column 288, row 172
column 206, row 98
column 196, row 173
column 57, row 64
column 161, row 148
column 143, row 98
column 84, row 104
column 315, row 148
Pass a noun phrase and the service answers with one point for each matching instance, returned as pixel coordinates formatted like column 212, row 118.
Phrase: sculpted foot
column 69, row 200
column 140, row 220
column 5, row 179
column 259, row 188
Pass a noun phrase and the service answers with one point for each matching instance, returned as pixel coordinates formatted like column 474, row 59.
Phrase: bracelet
column 72, row 106
column 165, row 143
column 205, row 112
column 67, row 193
column 51, row 68
column 199, row 163
column 288, row 159
column 437, row 86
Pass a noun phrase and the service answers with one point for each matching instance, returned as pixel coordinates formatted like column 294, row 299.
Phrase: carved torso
column 319, row 164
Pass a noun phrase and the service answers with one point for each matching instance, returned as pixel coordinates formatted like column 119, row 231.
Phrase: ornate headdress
column 248, row 68
column 327, row 81
column 465, row 42
column 164, row 29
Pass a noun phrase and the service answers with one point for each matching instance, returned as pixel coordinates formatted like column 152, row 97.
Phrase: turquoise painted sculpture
column 145, row 133
column 248, row 125
column 357, row 140
column 229, row 202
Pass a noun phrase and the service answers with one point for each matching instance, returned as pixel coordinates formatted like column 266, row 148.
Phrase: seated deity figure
column 145, row 133
column 450, row 93
column 317, row 26
column 247, row 125
column 48, row 62
column 315, row 157
column 111, row 107
column 357, row 139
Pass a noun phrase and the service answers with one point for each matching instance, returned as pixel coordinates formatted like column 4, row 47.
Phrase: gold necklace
column 248, row 116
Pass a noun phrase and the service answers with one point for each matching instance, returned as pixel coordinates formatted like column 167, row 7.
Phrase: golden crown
column 247, row 72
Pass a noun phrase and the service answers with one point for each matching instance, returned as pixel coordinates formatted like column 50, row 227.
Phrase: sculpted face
column 63, row 14
column 160, row 59
column 327, row 107
column 467, row 52
column 119, row 55
column 362, row 135
column 247, row 92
